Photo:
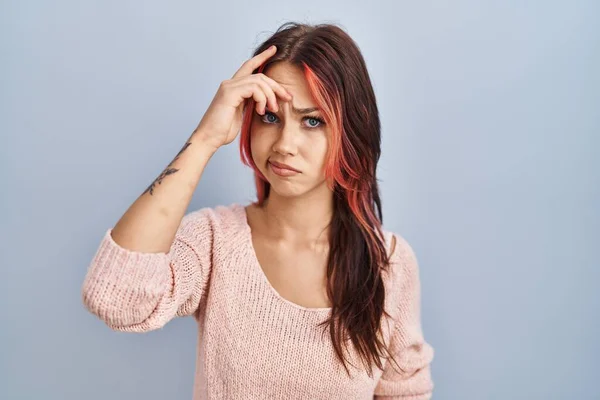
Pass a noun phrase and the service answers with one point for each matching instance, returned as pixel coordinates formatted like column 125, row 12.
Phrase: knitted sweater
column 252, row 342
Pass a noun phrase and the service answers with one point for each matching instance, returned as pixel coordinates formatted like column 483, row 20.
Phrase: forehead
column 285, row 73
column 291, row 78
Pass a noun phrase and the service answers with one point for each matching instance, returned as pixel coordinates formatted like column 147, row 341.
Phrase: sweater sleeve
column 413, row 354
column 135, row 291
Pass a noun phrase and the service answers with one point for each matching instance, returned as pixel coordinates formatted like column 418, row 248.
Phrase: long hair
column 339, row 83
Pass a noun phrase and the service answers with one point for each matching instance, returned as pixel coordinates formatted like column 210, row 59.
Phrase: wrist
column 204, row 145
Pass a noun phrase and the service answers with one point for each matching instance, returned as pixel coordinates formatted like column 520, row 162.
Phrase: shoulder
column 404, row 265
column 400, row 250
column 220, row 220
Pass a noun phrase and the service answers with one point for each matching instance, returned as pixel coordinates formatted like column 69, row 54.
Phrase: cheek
column 259, row 145
column 316, row 150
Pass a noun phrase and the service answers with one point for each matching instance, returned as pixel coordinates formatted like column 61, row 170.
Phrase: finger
column 261, row 92
column 268, row 90
column 256, row 61
column 256, row 92
column 276, row 87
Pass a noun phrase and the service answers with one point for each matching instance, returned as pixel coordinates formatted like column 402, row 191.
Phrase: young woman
column 302, row 294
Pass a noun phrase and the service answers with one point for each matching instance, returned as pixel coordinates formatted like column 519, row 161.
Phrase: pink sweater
column 253, row 343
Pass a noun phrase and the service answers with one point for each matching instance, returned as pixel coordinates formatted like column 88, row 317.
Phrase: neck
column 299, row 219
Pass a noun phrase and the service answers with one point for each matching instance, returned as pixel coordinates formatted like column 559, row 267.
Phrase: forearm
column 150, row 223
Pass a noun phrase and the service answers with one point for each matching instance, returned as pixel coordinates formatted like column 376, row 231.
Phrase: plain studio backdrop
column 490, row 117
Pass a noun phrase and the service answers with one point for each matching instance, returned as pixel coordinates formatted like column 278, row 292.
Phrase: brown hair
column 340, row 85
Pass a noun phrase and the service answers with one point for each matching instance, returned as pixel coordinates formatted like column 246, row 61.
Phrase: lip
column 283, row 169
column 283, row 166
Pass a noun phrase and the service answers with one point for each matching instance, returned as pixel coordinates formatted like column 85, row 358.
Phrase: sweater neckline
column 256, row 264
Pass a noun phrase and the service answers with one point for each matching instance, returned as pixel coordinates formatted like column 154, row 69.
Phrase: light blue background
column 489, row 169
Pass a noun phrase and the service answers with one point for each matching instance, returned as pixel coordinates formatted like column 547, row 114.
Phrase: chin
column 296, row 189
column 287, row 189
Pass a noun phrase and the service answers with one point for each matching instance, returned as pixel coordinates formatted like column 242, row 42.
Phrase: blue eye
column 265, row 118
column 268, row 114
column 319, row 121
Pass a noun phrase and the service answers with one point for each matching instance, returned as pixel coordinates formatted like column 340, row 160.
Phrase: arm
column 414, row 355
column 136, row 291
column 154, row 263
column 150, row 223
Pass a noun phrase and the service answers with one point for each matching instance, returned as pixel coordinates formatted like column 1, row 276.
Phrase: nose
column 285, row 143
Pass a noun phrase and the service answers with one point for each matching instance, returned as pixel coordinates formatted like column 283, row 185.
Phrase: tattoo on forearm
column 166, row 172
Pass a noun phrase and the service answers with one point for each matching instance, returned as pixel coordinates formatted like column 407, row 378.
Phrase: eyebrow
column 305, row 110
column 300, row 110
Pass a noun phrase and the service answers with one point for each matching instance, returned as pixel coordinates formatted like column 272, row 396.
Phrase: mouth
column 282, row 169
